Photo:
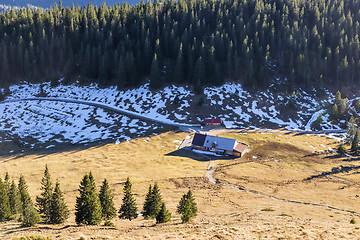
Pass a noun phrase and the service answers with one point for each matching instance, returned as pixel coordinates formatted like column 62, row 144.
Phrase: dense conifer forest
column 310, row 43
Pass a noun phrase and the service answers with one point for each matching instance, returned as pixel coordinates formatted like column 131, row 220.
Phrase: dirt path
column 210, row 175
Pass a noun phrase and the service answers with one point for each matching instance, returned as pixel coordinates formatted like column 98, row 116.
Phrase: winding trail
column 210, row 175
column 107, row 107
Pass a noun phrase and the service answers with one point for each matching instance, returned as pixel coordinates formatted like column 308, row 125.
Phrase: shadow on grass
column 187, row 153
column 335, row 170
column 44, row 150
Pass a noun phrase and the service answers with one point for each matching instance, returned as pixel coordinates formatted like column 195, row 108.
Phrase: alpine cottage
column 219, row 145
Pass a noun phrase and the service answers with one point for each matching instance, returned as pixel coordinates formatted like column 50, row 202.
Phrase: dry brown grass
column 283, row 163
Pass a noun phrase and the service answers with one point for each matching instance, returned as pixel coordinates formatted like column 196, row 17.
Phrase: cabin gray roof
column 227, row 144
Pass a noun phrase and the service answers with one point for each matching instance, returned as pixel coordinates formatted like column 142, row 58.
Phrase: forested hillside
column 310, row 43
column 66, row 3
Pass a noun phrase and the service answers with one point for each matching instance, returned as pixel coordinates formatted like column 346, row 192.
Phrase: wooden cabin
column 219, row 145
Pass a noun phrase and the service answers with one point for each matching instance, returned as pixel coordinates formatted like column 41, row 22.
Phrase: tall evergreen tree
column 155, row 74
column 128, row 209
column 147, row 203
column 187, row 207
column 355, row 142
column 7, row 181
column 88, row 206
column 58, row 209
column 106, row 200
column 152, row 203
column 5, row 210
column 163, row 215
column 44, row 200
column 14, row 198
column 30, row 216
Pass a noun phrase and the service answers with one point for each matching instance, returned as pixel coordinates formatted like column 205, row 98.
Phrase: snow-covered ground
column 54, row 122
column 77, row 123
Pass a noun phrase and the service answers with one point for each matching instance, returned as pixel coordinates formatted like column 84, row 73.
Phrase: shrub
column 352, row 221
column 108, row 223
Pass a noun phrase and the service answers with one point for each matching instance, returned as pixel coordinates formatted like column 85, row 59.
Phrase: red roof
column 212, row 120
column 240, row 147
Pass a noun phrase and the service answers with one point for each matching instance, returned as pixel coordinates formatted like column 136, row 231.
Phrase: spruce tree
column 155, row 75
column 30, row 217
column 106, row 200
column 58, row 210
column 163, row 215
column 88, row 207
column 14, row 198
column 44, row 200
column 5, row 210
column 23, row 190
column 351, row 130
column 335, row 112
column 187, row 206
column 355, row 142
column 7, row 181
column 187, row 212
column 152, row 203
column 341, row 150
column 128, row 209
column 147, row 203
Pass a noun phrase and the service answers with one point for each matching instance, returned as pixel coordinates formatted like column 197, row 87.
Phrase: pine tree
column 335, row 112
column 30, row 217
column 7, row 181
column 147, row 203
column 155, row 76
column 199, row 75
column 152, row 203
column 179, row 69
column 106, row 200
column 5, row 210
column 341, row 150
column 128, row 209
column 164, row 215
column 189, row 211
column 44, row 200
column 58, row 210
column 23, row 190
column 14, row 198
column 355, row 142
column 88, row 206
column 337, row 97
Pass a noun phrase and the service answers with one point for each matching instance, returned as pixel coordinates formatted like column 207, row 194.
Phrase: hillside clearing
column 279, row 164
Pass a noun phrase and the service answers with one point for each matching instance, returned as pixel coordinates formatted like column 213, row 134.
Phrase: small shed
column 212, row 121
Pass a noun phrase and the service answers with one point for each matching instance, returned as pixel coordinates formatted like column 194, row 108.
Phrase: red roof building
column 212, row 121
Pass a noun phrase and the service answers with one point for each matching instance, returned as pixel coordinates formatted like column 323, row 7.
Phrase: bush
column 108, row 223
column 352, row 221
